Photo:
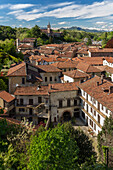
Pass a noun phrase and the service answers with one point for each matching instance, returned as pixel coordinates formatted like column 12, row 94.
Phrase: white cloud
column 62, row 23
column 60, row 4
column 100, row 22
column 20, row 6
column 99, row 10
column 4, row 6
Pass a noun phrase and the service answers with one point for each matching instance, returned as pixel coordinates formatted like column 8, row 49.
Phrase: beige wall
column 48, row 75
column 12, row 83
column 55, row 97
column 1, row 103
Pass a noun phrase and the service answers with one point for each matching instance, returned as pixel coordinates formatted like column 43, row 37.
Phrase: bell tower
column 49, row 28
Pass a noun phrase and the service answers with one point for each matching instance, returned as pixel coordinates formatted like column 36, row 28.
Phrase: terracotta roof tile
column 102, row 50
column 6, row 96
column 75, row 74
column 60, row 87
column 109, row 59
column 100, row 93
column 18, row 70
column 48, row 68
column 91, row 60
column 25, row 46
column 31, row 90
column 66, row 64
column 87, row 68
column 11, row 120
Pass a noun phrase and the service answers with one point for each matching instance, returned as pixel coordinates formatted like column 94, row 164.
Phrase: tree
column 35, row 31
column 86, row 154
column 53, row 149
column 89, row 42
column 105, row 141
column 3, row 86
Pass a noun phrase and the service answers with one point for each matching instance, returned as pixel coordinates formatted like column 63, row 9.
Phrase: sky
column 60, row 13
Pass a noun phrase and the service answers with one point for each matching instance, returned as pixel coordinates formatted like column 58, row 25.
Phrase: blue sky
column 61, row 13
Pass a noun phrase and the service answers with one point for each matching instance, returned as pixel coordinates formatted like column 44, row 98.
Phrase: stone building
column 7, row 103
column 35, row 103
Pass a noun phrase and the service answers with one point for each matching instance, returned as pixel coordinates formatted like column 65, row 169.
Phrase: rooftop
column 6, row 96
column 18, row 70
column 75, row 74
column 61, row 87
column 31, row 90
column 100, row 93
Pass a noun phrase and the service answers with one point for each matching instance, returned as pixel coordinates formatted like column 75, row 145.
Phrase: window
column 45, row 79
column 55, row 79
column 95, row 127
column 39, row 99
column 106, row 110
column 68, row 102
column 75, row 102
column 23, row 80
column 94, row 113
column 21, row 110
column 98, row 118
column 50, row 78
column 46, row 110
column 98, row 106
column 102, row 107
column 60, row 103
column 91, row 109
column 30, row 101
column 64, row 70
column 21, row 101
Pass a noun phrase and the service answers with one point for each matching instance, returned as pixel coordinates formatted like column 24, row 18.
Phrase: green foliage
column 3, row 85
column 89, row 42
column 86, row 154
column 53, row 149
column 7, row 32
column 105, row 140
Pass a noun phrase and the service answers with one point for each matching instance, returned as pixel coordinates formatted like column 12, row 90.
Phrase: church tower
column 49, row 28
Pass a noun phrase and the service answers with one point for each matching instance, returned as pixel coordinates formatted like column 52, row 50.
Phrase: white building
column 96, row 100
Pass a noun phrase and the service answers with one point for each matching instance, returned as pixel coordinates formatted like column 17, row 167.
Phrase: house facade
column 96, row 102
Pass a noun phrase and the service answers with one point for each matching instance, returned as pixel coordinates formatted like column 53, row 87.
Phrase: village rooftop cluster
column 58, row 82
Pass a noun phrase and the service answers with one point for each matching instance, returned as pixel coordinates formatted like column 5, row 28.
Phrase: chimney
column 111, row 89
column 97, row 83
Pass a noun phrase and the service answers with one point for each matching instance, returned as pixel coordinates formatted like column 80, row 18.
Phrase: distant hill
column 82, row 29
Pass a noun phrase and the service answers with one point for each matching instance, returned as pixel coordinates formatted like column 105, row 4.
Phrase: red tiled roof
column 66, row 64
column 6, row 96
column 48, row 68
column 25, row 46
column 87, row 68
column 11, row 120
column 75, row 74
column 60, row 87
column 109, row 59
column 91, row 60
column 83, row 51
column 18, row 70
column 33, row 90
column 100, row 93
column 98, row 50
